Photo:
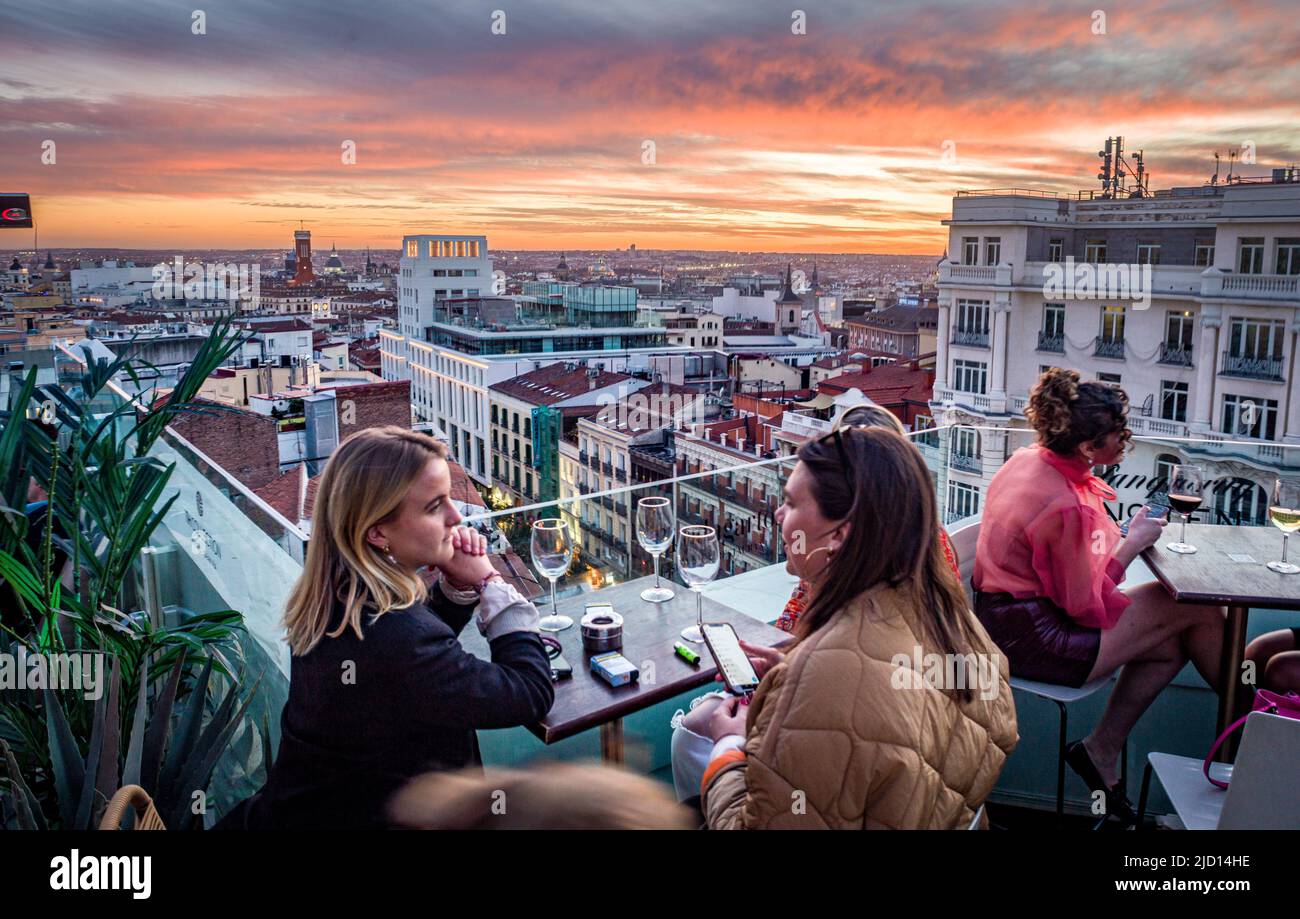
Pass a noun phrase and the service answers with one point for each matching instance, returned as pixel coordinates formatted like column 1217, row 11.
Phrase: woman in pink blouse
column 1048, row 567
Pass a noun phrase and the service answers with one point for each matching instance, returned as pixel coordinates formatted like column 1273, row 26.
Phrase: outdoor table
column 1227, row 570
column 649, row 631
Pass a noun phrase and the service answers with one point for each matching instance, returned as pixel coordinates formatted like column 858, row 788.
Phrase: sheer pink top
column 1045, row 533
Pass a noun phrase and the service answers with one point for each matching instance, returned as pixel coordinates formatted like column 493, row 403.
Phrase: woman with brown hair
column 1048, row 567
column 380, row 688
column 892, row 709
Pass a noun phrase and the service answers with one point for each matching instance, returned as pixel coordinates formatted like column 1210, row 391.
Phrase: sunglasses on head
column 836, row 435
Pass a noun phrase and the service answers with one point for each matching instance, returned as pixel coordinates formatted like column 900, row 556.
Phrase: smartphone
column 560, row 668
column 733, row 663
column 1154, row 512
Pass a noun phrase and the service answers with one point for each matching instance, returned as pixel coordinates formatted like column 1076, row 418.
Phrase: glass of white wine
column 552, row 551
column 1284, row 511
column 1186, row 491
column 654, row 530
column 697, row 559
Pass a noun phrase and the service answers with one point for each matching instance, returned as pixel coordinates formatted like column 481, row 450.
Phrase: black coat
column 366, row 715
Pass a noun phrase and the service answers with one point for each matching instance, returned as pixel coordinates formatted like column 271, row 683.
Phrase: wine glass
column 1186, row 491
column 697, row 560
column 654, row 530
column 1284, row 511
column 552, row 552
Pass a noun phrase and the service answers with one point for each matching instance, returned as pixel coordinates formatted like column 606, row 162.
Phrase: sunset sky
column 764, row 140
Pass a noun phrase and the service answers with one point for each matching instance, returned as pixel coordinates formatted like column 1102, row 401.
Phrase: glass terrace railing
column 740, row 500
column 221, row 547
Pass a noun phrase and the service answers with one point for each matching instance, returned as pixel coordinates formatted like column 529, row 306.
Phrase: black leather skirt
column 1039, row 638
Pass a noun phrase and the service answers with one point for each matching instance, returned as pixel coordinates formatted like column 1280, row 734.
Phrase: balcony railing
column 1053, row 343
column 1178, row 355
column 1252, row 368
column 1112, row 348
column 967, row 463
column 1251, row 286
column 970, row 338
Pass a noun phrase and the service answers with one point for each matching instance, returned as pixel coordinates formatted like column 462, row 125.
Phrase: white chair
column 1264, row 789
column 964, row 539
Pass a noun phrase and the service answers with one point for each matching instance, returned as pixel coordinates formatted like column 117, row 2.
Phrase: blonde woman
column 380, row 689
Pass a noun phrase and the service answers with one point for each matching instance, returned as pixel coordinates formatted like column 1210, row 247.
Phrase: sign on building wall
column 15, row 211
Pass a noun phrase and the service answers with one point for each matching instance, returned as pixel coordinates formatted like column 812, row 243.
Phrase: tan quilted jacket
column 841, row 734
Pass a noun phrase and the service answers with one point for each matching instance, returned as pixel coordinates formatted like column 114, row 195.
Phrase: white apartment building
column 1210, row 354
column 447, row 388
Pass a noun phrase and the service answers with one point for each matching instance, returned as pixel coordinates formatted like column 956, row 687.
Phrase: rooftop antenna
column 1215, row 179
column 1232, row 156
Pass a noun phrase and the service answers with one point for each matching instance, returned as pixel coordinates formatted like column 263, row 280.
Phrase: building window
column 970, row 250
column 1179, row 329
column 494, row 413
column 1244, row 416
column 1056, row 250
column 966, row 442
column 992, row 250
column 1256, row 339
column 1110, row 378
column 963, row 501
column 970, row 376
column 1204, row 257
column 1165, row 464
column 1250, row 255
column 973, row 317
column 1173, row 400
column 1288, row 255
column 1052, row 335
column 1095, row 250
column 1112, row 324
column 413, row 248
column 1148, row 253
column 926, row 434
column 1240, row 502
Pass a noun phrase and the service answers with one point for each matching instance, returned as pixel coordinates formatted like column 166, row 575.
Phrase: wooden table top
column 649, row 629
column 1229, row 568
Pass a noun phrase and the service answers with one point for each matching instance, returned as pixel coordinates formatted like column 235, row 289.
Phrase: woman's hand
column 469, row 562
column 1143, row 531
column 762, row 659
column 728, row 718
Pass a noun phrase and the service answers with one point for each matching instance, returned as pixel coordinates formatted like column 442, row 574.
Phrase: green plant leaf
column 159, row 731
column 68, row 768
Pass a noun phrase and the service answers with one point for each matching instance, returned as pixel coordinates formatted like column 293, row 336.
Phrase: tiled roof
column 285, row 494
column 887, row 384
column 555, row 383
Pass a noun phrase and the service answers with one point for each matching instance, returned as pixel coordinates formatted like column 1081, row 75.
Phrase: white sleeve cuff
column 459, row 597
column 730, row 742
column 502, row 610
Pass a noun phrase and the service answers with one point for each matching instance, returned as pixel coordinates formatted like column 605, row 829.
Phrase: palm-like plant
column 89, row 450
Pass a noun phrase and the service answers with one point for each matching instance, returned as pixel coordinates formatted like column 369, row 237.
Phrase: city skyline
column 850, row 138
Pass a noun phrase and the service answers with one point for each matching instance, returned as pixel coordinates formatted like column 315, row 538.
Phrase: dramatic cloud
column 853, row 136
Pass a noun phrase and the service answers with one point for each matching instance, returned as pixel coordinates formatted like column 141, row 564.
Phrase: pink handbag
column 1288, row 706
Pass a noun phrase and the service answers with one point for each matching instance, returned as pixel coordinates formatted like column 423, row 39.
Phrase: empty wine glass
column 1284, row 511
column 1186, row 491
column 552, row 551
column 697, row 560
column 654, row 530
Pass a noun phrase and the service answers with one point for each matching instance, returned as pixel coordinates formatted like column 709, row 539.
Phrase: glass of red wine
column 1186, row 491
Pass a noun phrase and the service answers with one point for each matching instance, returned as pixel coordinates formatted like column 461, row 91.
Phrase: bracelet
column 477, row 588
